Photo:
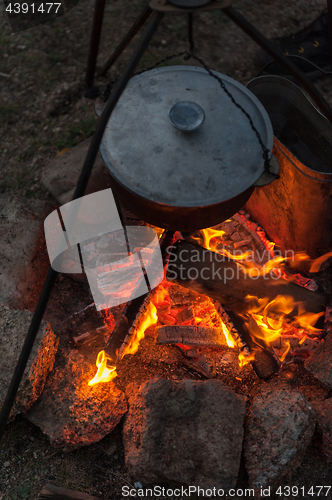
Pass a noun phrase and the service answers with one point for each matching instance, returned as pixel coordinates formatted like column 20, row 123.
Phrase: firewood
column 191, row 335
column 265, row 363
column 51, row 492
column 209, row 273
column 242, row 243
column 296, row 344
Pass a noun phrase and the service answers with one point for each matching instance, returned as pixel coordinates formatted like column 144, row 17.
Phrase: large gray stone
column 278, row 431
column 13, row 329
column 60, row 176
column 21, row 223
column 320, row 362
column 72, row 413
column 185, row 433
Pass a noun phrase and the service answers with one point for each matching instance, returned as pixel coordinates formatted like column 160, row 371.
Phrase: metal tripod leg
column 79, row 191
column 329, row 14
column 142, row 18
column 94, row 46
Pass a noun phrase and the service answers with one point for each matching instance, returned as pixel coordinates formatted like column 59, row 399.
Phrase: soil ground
column 42, row 112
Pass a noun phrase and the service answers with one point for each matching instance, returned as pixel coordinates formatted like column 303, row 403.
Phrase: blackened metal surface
column 296, row 122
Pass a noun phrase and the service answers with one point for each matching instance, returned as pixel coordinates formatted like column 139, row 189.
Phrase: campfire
column 281, row 326
column 187, row 324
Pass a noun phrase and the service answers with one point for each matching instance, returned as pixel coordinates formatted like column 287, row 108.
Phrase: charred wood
column 199, row 365
column 133, row 312
column 191, row 336
column 221, row 279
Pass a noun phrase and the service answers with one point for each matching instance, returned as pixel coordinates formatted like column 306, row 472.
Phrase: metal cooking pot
column 296, row 210
column 180, row 153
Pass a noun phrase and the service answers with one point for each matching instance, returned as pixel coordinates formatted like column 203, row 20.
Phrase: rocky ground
column 42, row 112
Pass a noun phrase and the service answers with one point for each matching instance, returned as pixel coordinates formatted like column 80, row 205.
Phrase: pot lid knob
column 186, row 116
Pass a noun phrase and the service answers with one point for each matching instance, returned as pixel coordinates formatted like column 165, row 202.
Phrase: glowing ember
column 269, row 245
column 211, row 239
column 161, row 296
column 104, row 373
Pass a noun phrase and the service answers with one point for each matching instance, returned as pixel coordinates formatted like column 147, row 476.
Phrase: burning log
column 191, row 336
column 304, row 344
column 125, row 329
column 220, row 278
column 263, row 361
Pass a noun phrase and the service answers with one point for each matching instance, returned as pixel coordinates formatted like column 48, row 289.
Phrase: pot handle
column 268, row 177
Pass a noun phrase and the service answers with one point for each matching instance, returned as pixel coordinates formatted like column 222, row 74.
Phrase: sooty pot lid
column 218, row 158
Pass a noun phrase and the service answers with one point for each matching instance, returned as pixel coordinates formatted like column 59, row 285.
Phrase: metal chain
column 105, row 95
column 266, row 151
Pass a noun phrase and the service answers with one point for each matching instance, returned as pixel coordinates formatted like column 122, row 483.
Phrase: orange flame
column 284, row 354
column 244, row 359
column 269, row 320
column 161, row 296
column 251, row 269
column 150, row 318
column 277, row 262
column 208, row 235
column 212, row 234
column 104, row 374
column 229, row 338
column 318, row 262
column 296, row 258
